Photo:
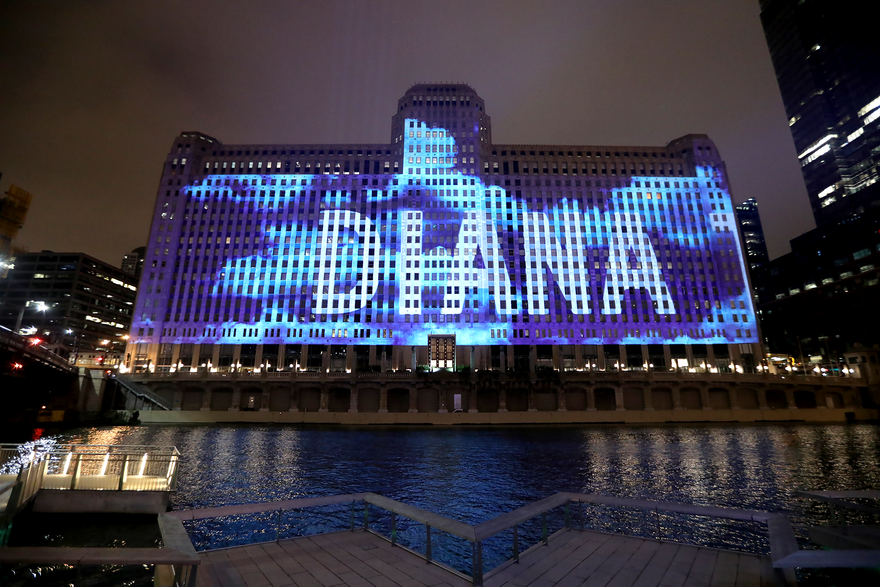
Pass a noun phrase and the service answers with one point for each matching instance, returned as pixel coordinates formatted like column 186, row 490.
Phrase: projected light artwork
column 392, row 258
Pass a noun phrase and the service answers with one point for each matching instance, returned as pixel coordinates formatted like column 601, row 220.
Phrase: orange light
column 35, row 341
column 17, row 365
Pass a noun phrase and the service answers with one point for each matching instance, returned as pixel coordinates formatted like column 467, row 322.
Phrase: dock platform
column 572, row 558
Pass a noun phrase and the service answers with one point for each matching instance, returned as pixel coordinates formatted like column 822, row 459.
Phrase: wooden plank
column 509, row 569
column 636, row 564
column 612, row 565
column 535, row 563
column 748, row 571
column 588, row 566
column 657, row 566
column 724, row 574
column 700, row 574
column 677, row 572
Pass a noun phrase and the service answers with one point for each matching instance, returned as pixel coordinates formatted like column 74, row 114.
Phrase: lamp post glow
column 39, row 306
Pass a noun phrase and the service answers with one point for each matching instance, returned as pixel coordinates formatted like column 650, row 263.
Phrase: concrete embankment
column 510, row 418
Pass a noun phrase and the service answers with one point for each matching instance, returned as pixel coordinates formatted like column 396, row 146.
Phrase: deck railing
column 174, row 564
column 98, row 467
column 782, row 543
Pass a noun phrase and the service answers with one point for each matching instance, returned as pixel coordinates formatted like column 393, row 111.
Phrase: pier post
column 560, row 400
column 413, row 400
column 704, row 398
column 762, row 399
column 206, row 399
column 591, row 399
column 383, row 399
column 649, row 399
column 353, row 399
column 502, row 400
column 236, row 398
column 618, row 398
column 734, row 399
column 325, row 398
column 676, row 398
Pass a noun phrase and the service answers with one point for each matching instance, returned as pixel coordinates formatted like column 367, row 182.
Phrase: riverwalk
column 571, row 558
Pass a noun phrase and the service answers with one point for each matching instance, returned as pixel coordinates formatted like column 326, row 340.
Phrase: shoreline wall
column 512, row 418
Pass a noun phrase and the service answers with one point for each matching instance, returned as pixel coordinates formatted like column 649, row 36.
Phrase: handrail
column 784, row 552
column 142, row 392
column 177, row 555
column 416, row 514
column 839, row 499
column 265, row 506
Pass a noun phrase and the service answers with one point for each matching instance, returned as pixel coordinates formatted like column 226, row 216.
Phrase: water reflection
column 476, row 473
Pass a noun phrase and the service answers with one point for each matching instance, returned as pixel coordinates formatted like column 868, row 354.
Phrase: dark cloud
column 94, row 92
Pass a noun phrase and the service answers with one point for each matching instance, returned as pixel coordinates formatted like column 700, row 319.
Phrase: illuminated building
column 827, row 63
column 75, row 304
column 752, row 233
column 346, row 256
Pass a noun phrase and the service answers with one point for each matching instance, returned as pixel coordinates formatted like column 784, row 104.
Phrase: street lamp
column 39, row 306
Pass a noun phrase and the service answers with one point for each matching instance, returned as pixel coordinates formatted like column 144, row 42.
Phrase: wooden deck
column 572, row 559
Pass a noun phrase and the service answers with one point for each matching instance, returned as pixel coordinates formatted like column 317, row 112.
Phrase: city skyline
column 574, row 73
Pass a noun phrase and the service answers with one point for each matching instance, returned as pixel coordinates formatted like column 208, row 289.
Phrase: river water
column 476, row 473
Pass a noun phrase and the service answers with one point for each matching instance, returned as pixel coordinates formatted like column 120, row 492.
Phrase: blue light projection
column 390, row 259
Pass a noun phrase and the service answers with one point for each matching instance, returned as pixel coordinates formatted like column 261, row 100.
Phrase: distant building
column 752, row 233
column 823, row 298
column 133, row 263
column 827, row 62
column 13, row 210
column 78, row 304
column 624, row 257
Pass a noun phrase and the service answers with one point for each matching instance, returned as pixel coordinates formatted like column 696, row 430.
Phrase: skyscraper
column 292, row 254
column 827, row 61
column 133, row 262
column 752, row 233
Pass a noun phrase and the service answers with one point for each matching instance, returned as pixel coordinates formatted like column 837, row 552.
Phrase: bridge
column 21, row 349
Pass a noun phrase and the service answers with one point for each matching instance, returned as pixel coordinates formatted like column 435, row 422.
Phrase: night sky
column 92, row 94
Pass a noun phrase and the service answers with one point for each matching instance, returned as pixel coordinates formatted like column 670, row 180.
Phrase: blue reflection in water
column 474, row 474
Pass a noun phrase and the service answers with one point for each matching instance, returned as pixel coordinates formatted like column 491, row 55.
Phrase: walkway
column 572, row 559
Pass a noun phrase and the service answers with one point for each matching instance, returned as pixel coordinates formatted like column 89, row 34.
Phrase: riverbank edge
column 507, row 418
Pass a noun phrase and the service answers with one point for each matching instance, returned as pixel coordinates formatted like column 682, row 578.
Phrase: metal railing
column 175, row 563
column 21, row 479
column 25, row 345
column 782, row 543
column 141, row 392
column 101, row 467
column 568, row 374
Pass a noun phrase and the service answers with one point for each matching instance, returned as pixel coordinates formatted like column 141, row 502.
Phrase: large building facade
column 827, row 62
column 352, row 256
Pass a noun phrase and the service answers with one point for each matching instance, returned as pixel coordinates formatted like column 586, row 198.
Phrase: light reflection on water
column 475, row 473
